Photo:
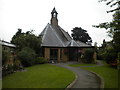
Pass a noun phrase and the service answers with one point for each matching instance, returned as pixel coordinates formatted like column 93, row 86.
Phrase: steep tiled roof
column 54, row 36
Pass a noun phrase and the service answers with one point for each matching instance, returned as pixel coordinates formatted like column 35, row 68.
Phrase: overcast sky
column 35, row 14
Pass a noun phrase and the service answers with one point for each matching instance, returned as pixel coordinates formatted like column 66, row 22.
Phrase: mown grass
column 109, row 74
column 40, row 76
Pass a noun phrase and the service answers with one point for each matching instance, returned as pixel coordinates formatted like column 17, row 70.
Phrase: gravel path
column 85, row 78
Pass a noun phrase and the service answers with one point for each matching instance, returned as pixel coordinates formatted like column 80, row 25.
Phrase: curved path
column 85, row 79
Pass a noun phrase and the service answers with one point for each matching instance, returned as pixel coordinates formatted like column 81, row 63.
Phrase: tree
column 113, row 27
column 18, row 33
column 112, row 3
column 80, row 34
column 27, row 39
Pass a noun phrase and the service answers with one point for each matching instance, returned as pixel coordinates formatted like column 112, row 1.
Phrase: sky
column 36, row 14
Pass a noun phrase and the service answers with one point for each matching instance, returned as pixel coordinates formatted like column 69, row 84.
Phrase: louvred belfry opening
column 54, row 20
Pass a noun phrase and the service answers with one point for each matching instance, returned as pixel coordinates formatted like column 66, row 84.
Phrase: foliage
column 110, row 56
column 118, row 62
column 27, row 39
column 40, row 76
column 116, row 41
column 113, row 28
column 27, row 56
column 17, row 65
column 11, row 68
column 112, row 3
column 40, row 60
column 5, row 56
column 81, row 35
column 119, row 56
column 18, row 33
column 88, row 56
column 101, row 54
column 8, row 69
column 107, row 52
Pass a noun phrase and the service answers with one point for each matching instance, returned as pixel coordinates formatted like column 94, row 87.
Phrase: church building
column 58, row 45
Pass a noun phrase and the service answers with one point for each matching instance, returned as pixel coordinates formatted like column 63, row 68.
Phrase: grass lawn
column 40, row 76
column 109, row 74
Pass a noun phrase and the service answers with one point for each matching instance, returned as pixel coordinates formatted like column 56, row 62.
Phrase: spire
column 54, row 20
column 54, row 11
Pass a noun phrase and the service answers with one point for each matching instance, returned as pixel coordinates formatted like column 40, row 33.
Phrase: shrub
column 118, row 62
column 8, row 69
column 119, row 56
column 17, row 65
column 40, row 60
column 5, row 56
column 27, row 56
column 110, row 55
column 101, row 55
column 88, row 56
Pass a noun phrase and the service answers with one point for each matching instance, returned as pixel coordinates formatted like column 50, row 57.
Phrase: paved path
column 85, row 78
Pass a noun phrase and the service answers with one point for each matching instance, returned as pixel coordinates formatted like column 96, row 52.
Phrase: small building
column 57, row 44
column 9, row 48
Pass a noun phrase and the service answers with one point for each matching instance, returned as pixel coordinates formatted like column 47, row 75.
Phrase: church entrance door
column 54, row 54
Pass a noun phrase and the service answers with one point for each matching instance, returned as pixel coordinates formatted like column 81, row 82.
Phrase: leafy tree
column 18, row 33
column 27, row 39
column 113, row 28
column 80, row 34
column 112, row 3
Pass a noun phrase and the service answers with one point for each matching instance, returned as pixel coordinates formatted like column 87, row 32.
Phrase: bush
column 118, row 62
column 5, row 56
column 119, row 56
column 101, row 55
column 8, row 69
column 27, row 56
column 88, row 56
column 110, row 55
column 17, row 65
column 40, row 60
